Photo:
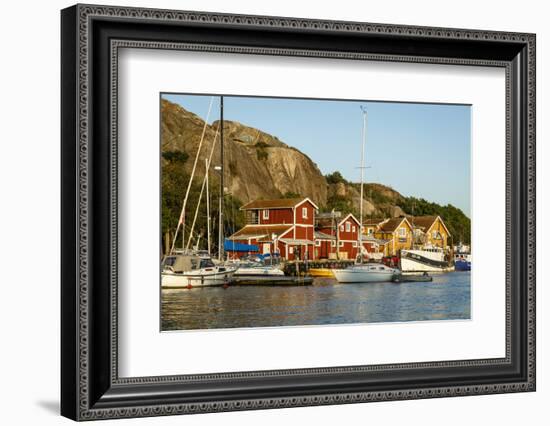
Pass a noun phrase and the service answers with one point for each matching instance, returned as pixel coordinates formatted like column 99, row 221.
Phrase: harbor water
column 447, row 297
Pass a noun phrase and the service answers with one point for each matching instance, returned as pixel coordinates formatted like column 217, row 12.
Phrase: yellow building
column 430, row 231
column 370, row 226
column 397, row 231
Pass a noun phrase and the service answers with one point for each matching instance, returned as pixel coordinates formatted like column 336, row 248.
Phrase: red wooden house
column 341, row 237
column 283, row 226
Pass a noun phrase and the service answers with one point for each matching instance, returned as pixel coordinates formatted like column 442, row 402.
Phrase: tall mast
column 220, row 224
column 207, row 164
column 181, row 221
column 364, row 137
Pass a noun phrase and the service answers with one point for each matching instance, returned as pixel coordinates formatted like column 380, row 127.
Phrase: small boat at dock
column 366, row 273
column 428, row 259
column 321, row 272
column 463, row 262
column 258, row 270
column 192, row 270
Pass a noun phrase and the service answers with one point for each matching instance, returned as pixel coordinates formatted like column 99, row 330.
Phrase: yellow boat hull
column 321, row 273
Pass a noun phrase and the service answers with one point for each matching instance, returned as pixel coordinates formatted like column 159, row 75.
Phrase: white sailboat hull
column 198, row 278
column 362, row 275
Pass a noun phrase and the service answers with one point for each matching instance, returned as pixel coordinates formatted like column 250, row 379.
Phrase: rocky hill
column 260, row 166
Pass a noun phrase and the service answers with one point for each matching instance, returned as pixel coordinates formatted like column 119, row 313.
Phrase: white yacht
column 428, row 259
column 250, row 269
column 366, row 273
column 193, row 270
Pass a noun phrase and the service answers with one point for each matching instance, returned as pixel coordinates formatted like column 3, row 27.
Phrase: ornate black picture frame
column 91, row 37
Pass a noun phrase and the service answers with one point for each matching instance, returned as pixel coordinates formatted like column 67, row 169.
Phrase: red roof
column 425, row 222
column 280, row 203
column 392, row 224
column 347, row 217
column 250, row 231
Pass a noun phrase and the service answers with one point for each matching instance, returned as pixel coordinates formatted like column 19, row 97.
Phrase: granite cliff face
column 258, row 165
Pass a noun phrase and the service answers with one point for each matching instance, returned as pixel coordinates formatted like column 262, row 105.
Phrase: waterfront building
column 430, row 231
column 393, row 234
column 409, row 232
column 375, row 248
column 325, row 245
column 345, row 237
column 281, row 226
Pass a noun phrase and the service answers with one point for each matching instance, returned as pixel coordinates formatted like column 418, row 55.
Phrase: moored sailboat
column 187, row 268
column 368, row 272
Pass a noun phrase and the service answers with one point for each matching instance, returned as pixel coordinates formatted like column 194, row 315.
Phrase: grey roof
column 372, row 239
column 322, row 236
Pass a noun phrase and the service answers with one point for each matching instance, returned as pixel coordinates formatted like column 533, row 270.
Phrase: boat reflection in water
column 323, row 302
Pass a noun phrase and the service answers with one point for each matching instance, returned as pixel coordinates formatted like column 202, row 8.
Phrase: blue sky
column 420, row 150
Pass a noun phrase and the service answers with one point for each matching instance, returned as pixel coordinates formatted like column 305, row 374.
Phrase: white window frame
column 333, row 243
column 341, row 228
column 402, row 233
column 304, row 212
column 370, row 231
column 348, row 227
column 435, row 235
column 265, row 214
column 354, row 244
column 353, row 228
column 340, row 244
column 318, row 243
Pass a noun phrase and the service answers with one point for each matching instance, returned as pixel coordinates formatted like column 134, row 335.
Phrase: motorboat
column 463, row 262
column 427, row 259
column 321, row 272
column 194, row 270
column 251, row 269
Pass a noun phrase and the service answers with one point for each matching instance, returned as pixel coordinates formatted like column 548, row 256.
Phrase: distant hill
column 260, row 166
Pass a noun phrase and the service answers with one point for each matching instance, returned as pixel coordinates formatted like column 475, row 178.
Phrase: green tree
column 335, row 177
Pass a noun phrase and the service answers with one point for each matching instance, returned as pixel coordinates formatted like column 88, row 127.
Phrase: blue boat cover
column 234, row 246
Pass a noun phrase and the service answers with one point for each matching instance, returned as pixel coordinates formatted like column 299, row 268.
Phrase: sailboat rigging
column 364, row 273
column 187, row 269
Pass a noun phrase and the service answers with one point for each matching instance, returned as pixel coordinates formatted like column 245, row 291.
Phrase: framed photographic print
column 263, row 212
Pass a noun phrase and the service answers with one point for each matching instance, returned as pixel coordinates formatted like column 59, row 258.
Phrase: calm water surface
column 324, row 302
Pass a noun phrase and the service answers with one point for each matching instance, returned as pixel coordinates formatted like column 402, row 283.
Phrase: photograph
column 280, row 211
column 262, row 209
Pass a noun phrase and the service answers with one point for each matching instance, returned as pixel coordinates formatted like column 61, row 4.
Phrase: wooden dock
column 273, row 280
column 301, row 267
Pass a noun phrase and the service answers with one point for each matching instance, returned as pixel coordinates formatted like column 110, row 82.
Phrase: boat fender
column 189, row 286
